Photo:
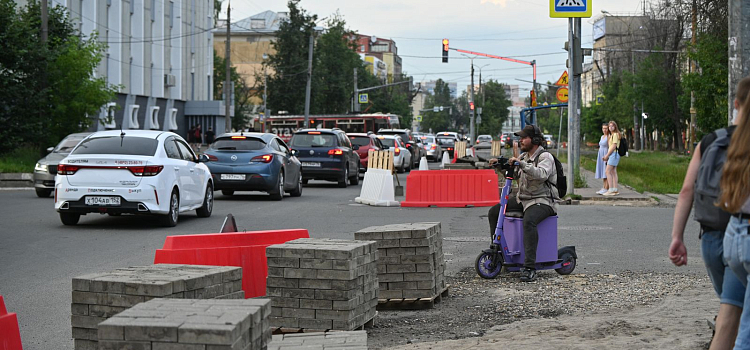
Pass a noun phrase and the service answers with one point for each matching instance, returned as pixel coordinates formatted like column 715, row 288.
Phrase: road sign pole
column 356, row 92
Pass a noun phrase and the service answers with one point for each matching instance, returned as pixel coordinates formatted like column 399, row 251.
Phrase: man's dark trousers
column 531, row 219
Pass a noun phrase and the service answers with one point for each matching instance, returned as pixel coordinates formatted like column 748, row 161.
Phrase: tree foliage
column 494, row 103
column 49, row 91
column 242, row 92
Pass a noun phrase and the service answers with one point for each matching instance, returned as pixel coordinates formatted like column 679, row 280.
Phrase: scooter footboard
column 546, row 250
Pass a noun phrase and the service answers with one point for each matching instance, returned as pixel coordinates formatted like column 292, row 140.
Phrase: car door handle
column 192, row 170
column 176, row 168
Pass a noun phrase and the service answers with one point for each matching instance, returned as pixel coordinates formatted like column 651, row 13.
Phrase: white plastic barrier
column 423, row 164
column 446, row 159
column 377, row 189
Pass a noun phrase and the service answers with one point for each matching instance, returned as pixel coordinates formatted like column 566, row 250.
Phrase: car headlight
column 42, row 168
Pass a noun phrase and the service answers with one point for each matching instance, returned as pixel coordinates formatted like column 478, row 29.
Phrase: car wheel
column 69, row 219
column 304, row 181
column 278, row 193
column 43, row 192
column 297, row 191
column 170, row 220
column 401, row 168
column 208, row 203
column 354, row 180
column 342, row 181
column 227, row 192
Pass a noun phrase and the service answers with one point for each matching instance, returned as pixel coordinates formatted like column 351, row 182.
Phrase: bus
column 285, row 125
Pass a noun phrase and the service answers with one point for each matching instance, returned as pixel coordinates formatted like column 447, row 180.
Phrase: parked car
column 401, row 155
column 46, row 168
column 549, row 142
column 254, row 162
column 365, row 143
column 410, row 143
column 133, row 172
column 433, row 148
column 484, row 141
column 326, row 154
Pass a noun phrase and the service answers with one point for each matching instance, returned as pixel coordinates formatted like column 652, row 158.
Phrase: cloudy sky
column 520, row 29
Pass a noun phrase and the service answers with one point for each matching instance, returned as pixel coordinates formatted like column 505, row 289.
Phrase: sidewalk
column 627, row 194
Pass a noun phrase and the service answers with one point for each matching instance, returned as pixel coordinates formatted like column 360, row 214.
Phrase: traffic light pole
column 574, row 101
column 471, row 110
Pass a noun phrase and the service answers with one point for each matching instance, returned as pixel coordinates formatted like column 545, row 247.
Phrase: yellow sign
column 569, row 8
column 419, row 118
column 563, row 81
column 533, row 99
column 562, row 94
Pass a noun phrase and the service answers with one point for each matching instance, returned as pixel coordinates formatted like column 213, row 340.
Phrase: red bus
column 285, row 125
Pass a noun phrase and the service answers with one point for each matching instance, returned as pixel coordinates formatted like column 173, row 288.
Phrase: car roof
column 357, row 134
column 484, row 136
column 396, row 130
column 261, row 135
column 134, row 133
column 323, row 130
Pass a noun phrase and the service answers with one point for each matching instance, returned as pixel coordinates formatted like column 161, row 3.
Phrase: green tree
column 709, row 83
column 242, row 92
column 494, row 103
column 49, row 90
column 438, row 121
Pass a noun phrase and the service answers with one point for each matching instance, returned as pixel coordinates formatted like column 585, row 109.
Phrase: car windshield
column 484, row 138
column 360, row 140
column 403, row 135
column 388, row 142
column 238, row 144
column 313, row 140
column 67, row 144
column 428, row 139
column 446, row 141
column 127, row 145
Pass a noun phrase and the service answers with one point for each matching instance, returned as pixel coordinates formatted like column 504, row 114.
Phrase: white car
column 133, row 172
column 484, row 141
column 401, row 154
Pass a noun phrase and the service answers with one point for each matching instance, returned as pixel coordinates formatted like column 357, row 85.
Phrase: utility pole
column 471, row 111
column 44, row 22
column 574, row 99
column 309, row 80
column 356, row 93
column 739, row 48
column 265, row 93
column 692, row 93
column 227, row 81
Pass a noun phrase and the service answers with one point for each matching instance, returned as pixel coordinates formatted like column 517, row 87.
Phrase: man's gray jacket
column 537, row 182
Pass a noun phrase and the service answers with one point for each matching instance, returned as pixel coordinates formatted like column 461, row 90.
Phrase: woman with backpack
column 601, row 166
column 612, row 158
column 735, row 199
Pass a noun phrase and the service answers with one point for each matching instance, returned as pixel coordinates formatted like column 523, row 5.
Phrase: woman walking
column 735, row 198
column 612, row 158
column 601, row 166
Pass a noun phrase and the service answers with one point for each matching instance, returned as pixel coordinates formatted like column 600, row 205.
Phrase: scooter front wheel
column 568, row 263
column 486, row 267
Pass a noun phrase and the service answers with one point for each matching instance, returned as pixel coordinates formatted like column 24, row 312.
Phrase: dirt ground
column 626, row 311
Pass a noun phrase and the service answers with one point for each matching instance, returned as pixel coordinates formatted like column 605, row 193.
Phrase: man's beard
column 525, row 148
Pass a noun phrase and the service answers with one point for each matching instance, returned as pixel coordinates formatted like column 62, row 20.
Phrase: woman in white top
column 735, row 198
column 601, row 166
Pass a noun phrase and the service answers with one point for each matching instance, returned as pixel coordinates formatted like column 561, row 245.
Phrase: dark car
column 326, row 154
column 254, row 162
column 416, row 152
column 365, row 143
column 46, row 168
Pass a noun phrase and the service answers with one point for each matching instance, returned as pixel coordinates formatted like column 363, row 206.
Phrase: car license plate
column 232, row 176
column 113, row 201
column 311, row 164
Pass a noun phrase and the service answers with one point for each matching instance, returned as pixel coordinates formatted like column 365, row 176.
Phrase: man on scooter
column 536, row 194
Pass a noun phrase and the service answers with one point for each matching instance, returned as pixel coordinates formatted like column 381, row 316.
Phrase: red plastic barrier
column 243, row 249
column 10, row 335
column 451, row 188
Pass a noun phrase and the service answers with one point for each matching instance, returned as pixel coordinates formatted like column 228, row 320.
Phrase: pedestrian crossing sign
column 569, row 8
column 364, row 98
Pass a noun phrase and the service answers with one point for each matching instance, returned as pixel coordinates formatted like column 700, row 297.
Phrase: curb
column 16, row 180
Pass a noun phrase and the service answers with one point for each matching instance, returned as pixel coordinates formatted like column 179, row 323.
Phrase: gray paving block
column 79, row 309
column 78, row 321
column 282, row 282
column 298, row 312
column 315, row 323
column 314, row 284
column 284, row 262
column 345, row 275
column 122, row 344
column 290, row 273
column 153, row 330
column 285, row 302
column 401, row 268
column 316, row 304
column 318, row 264
column 85, row 333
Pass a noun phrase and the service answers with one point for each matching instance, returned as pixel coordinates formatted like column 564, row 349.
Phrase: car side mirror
column 355, row 147
column 49, row 149
column 295, row 152
column 203, row 158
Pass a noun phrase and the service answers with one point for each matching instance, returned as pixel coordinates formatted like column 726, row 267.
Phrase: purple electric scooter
column 507, row 242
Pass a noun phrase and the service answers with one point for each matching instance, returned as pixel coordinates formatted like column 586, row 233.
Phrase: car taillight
column 212, row 158
column 65, row 169
column 148, row 170
column 397, row 151
column 434, row 146
column 408, row 145
column 450, row 148
column 427, row 147
column 335, row 152
column 266, row 158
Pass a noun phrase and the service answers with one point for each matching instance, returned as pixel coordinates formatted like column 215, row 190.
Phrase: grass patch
column 22, row 160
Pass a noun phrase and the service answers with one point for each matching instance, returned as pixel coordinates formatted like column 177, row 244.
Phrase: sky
column 520, row 29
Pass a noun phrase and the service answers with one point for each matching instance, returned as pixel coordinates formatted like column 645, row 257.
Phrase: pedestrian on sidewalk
column 713, row 221
column 612, row 158
column 601, row 166
column 735, row 198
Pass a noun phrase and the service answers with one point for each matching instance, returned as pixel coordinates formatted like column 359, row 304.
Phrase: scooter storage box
column 546, row 250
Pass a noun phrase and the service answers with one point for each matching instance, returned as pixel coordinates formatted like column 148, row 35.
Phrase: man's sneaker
column 528, row 275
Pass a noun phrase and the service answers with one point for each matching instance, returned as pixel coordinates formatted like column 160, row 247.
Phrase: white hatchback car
column 134, row 172
column 401, row 155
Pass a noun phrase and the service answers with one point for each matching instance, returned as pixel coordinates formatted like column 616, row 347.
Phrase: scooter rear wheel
column 485, row 268
column 568, row 263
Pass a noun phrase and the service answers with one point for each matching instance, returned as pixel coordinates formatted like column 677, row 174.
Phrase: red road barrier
column 244, row 249
column 10, row 336
column 451, row 188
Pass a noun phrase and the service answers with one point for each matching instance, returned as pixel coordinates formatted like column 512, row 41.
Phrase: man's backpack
column 562, row 181
column 706, row 192
column 622, row 148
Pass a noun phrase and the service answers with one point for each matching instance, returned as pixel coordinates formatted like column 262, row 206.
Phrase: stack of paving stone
column 353, row 340
column 99, row 296
column 411, row 264
column 322, row 283
column 189, row 324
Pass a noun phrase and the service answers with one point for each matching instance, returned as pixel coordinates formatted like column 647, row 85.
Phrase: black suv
column 326, row 154
column 416, row 152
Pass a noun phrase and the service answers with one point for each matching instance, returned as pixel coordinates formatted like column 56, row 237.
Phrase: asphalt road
column 39, row 256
